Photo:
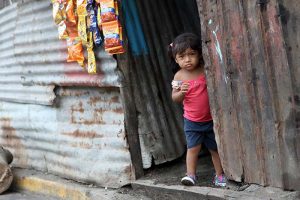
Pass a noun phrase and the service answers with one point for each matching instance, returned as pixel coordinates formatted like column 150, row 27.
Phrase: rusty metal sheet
column 251, row 87
column 32, row 56
column 82, row 137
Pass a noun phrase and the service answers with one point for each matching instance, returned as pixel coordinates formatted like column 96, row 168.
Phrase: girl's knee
column 195, row 149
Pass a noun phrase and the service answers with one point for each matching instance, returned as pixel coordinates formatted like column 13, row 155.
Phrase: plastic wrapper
column 81, row 7
column 75, row 51
column 109, row 10
column 92, row 25
column 91, row 68
column 176, row 84
column 99, row 17
column 92, row 10
column 118, row 50
column 82, row 13
column 97, row 35
column 113, row 41
column 97, row 38
column 70, row 12
column 62, row 31
column 59, row 12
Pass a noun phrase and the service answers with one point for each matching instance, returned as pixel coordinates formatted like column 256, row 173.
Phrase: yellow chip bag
column 82, row 13
column 59, row 12
column 91, row 68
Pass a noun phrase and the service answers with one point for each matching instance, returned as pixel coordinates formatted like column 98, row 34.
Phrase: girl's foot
column 220, row 180
column 188, row 180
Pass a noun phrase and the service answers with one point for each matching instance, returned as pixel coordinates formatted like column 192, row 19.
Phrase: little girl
column 189, row 88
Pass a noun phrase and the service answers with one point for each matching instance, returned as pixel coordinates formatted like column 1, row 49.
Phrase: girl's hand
column 184, row 88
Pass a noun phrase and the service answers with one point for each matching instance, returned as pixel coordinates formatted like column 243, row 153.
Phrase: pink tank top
column 196, row 103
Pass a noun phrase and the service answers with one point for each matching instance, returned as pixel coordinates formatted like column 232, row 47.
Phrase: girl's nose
column 187, row 58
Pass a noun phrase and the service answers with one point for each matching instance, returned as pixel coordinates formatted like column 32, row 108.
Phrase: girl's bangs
column 181, row 47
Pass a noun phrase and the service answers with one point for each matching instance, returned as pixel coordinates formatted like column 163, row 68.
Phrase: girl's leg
column 216, row 162
column 192, row 159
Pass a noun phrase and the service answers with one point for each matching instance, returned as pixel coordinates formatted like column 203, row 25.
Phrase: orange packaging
column 75, row 51
column 119, row 48
column 112, row 35
column 109, row 10
column 70, row 11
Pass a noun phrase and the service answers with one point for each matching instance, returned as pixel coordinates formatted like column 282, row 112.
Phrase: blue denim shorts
column 197, row 133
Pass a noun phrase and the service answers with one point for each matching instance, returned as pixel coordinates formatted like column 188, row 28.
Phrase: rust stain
column 118, row 110
column 83, row 134
column 66, row 92
column 94, row 100
column 79, row 109
column 114, row 99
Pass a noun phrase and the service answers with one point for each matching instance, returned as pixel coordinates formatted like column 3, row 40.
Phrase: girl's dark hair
column 180, row 44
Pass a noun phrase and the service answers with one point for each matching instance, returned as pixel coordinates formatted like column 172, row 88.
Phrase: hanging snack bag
column 62, row 31
column 59, row 12
column 70, row 12
column 91, row 68
column 119, row 49
column 111, row 34
column 82, row 13
column 108, row 10
column 113, row 40
column 59, row 17
column 92, row 20
column 75, row 51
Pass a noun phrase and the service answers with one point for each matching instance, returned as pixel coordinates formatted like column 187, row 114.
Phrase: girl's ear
column 176, row 60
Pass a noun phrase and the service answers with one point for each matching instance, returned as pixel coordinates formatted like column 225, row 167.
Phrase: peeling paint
column 217, row 45
column 219, row 52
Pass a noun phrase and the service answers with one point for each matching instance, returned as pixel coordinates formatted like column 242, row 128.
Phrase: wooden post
column 6, row 176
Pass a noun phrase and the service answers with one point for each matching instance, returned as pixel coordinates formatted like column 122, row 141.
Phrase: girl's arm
column 178, row 94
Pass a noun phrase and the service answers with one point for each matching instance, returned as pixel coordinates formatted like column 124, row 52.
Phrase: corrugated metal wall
column 33, row 58
column 75, row 132
column 82, row 137
column 254, row 88
column 159, row 119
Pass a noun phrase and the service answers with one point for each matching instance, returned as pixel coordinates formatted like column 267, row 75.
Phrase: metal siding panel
column 33, row 56
column 82, row 137
column 160, row 122
column 251, row 86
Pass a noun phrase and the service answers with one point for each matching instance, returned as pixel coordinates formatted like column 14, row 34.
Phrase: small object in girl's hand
column 176, row 84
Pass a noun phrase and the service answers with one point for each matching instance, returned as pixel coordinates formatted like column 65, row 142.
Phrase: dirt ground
column 171, row 173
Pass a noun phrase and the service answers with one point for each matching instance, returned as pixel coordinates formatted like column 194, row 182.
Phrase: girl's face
column 188, row 60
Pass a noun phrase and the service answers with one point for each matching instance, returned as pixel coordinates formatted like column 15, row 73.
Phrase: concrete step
column 54, row 186
column 50, row 185
column 158, row 191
